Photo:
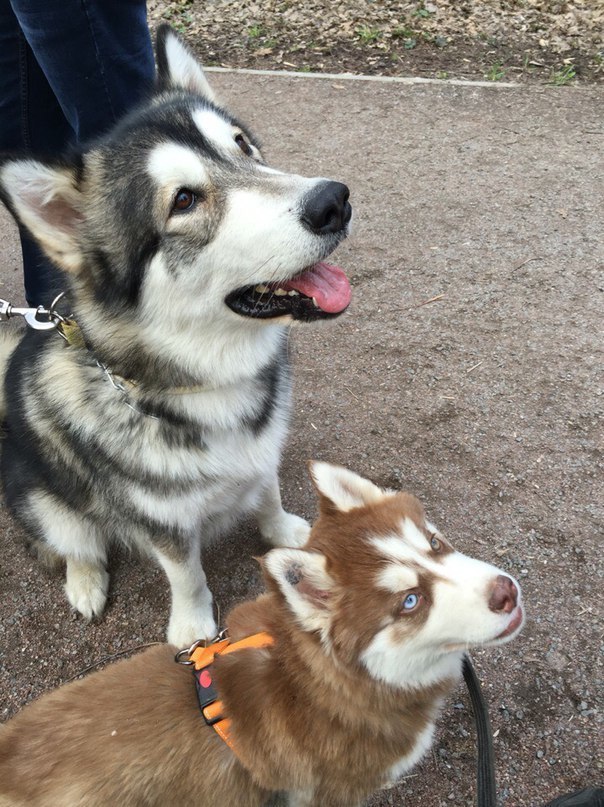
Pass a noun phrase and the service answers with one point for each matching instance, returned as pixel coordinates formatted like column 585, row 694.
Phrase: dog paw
column 185, row 629
column 286, row 530
column 86, row 588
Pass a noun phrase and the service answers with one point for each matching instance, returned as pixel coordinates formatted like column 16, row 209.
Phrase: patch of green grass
column 434, row 39
column 422, row 11
column 259, row 41
column 367, row 34
column 496, row 72
column 306, row 68
column 563, row 76
column 402, row 32
column 179, row 19
column 442, row 74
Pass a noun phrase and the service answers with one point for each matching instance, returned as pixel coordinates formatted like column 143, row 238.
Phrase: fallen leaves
column 368, row 33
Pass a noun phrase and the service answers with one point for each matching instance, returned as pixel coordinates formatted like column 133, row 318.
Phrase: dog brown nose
column 327, row 209
column 504, row 596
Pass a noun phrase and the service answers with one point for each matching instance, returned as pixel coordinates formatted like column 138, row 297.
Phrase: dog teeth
column 315, row 303
column 262, row 289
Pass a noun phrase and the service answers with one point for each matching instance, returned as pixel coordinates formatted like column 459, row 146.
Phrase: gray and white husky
column 187, row 259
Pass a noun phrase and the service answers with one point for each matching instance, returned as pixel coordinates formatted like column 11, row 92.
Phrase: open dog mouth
column 319, row 292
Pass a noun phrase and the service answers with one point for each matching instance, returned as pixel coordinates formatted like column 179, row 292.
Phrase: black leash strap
column 485, row 769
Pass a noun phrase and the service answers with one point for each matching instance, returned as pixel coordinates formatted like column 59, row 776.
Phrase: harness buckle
column 184, row 656
column 207, row 696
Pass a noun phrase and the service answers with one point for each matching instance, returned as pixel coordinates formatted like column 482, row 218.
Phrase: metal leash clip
column 40, row 318
column 184, row 656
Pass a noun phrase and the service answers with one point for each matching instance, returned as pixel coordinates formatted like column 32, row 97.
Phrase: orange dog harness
column 202, row 659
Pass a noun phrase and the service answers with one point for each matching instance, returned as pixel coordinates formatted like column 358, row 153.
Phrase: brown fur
column 132, row 733
column 304, row 720
column 354, row 562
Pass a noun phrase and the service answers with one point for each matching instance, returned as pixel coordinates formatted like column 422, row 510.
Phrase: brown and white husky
column 368, row 625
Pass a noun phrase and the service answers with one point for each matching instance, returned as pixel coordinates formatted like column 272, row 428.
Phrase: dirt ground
column 468, row 370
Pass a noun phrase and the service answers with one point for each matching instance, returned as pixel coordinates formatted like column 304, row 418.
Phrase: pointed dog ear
column 177, row 68
column 303, row 579
column 47, row 201
column 342, row 489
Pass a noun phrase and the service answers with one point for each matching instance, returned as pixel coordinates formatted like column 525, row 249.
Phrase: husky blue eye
column 435, row 543
column 410, row 602
column 184, row 200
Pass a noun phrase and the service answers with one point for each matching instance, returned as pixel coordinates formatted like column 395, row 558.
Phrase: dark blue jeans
column 68, row 70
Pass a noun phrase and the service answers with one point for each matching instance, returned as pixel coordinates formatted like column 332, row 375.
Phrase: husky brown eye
column 184, row 200
column 435, row 543
column 243, row 145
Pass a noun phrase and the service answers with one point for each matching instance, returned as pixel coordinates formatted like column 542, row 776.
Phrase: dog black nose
column 327, row 209
column 504, row 596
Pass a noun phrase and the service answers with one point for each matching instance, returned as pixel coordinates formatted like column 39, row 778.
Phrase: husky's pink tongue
column 326, row 283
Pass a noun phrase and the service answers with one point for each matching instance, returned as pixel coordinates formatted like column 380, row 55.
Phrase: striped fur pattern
column 168, row 426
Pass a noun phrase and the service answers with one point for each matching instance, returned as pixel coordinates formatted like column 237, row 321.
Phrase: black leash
column 486, row 788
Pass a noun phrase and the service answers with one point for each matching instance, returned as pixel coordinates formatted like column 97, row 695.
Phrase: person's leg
column 80, row 64
column 30, row 119
column 96, row 54
column 10, row 81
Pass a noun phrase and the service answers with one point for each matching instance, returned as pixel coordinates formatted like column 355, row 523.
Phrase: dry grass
column 561, row 42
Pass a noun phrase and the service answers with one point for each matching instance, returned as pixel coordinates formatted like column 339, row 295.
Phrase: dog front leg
column 277, row 527
column 86, row 584
column 191, row 616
